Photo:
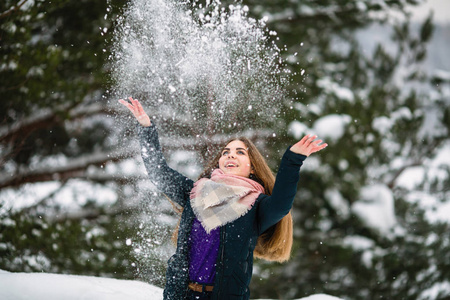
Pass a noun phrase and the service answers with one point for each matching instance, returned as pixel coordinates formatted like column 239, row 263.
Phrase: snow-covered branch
column 92, row 214
column 391, row 182
column 48, row 117
column 44, row 200
column 26, row 125
column 360, row 12
column 93, row 109
column 290, row 16
column 74, row 169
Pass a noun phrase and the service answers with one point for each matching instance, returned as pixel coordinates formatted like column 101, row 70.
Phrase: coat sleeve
column 273, row 208
column 175, row 185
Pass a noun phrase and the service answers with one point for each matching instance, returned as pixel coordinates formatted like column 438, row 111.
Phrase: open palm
column 308, row 145
column 136, row 108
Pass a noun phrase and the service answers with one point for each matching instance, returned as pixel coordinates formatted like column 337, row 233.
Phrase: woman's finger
column 308, row 144
column 315, row 143
column 133, row 101
column 318, row 148
column 125, row 103
column 312, row 138
column 303, row 140
column 139, row 107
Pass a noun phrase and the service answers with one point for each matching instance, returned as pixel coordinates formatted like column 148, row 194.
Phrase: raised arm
column 273, row 208
column 175, row 185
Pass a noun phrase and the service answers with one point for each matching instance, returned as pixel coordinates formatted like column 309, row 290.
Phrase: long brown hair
column 276, row 243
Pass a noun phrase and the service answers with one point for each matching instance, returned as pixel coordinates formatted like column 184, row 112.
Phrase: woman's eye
column 241, row 152
column 225, row 153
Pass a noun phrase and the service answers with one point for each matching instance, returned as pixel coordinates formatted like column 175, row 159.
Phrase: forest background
column 372, row 211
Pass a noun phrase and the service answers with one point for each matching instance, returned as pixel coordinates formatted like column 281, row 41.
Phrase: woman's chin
column 235, row 171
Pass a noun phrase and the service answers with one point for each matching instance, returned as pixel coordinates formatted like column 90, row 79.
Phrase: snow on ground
column 320, row 297
column 37, row 286
column 44, row 286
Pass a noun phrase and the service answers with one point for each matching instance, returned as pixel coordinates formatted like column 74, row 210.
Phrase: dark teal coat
column 237, row 239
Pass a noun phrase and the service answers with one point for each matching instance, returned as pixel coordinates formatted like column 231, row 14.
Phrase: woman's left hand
column 307, row 145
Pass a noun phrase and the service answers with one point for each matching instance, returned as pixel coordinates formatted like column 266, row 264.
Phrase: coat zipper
column 222, row 242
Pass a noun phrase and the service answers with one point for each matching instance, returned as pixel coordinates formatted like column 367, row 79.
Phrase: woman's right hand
column 136, row 108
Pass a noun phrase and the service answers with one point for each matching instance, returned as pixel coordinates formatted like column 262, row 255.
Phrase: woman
column 234, row 211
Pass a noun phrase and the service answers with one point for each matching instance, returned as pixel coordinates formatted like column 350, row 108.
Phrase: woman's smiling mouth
column 230, row 165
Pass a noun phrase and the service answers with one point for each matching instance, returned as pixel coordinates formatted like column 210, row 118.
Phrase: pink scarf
column 223, row 198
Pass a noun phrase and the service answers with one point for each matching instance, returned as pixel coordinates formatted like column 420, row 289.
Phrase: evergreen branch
column 47, row 118
column 44, row 200
column 118, row 178
column 94, row 214
column 74, row 169
column 12, row 9
column 91, row 110
column 24, row 127
column 334, row 16
column 428, row 151
column 391, row 182
column 337, row 14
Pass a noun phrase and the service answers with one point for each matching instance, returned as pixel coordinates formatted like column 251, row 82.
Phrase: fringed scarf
column 223, row 198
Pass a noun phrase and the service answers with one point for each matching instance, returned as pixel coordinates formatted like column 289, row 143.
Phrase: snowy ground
column 43, row 286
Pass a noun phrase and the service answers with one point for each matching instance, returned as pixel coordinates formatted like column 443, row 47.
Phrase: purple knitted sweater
column 204, row 250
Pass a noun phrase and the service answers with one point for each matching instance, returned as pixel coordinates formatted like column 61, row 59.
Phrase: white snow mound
column 40, row 286
column 44, row 286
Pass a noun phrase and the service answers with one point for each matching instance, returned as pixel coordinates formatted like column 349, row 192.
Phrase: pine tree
column 55, row 138
column 386, row 117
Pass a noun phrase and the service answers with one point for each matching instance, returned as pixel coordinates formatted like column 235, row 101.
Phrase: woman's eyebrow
column 239, row 148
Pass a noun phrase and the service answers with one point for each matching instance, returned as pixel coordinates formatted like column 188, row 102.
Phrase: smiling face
column 235, row 159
